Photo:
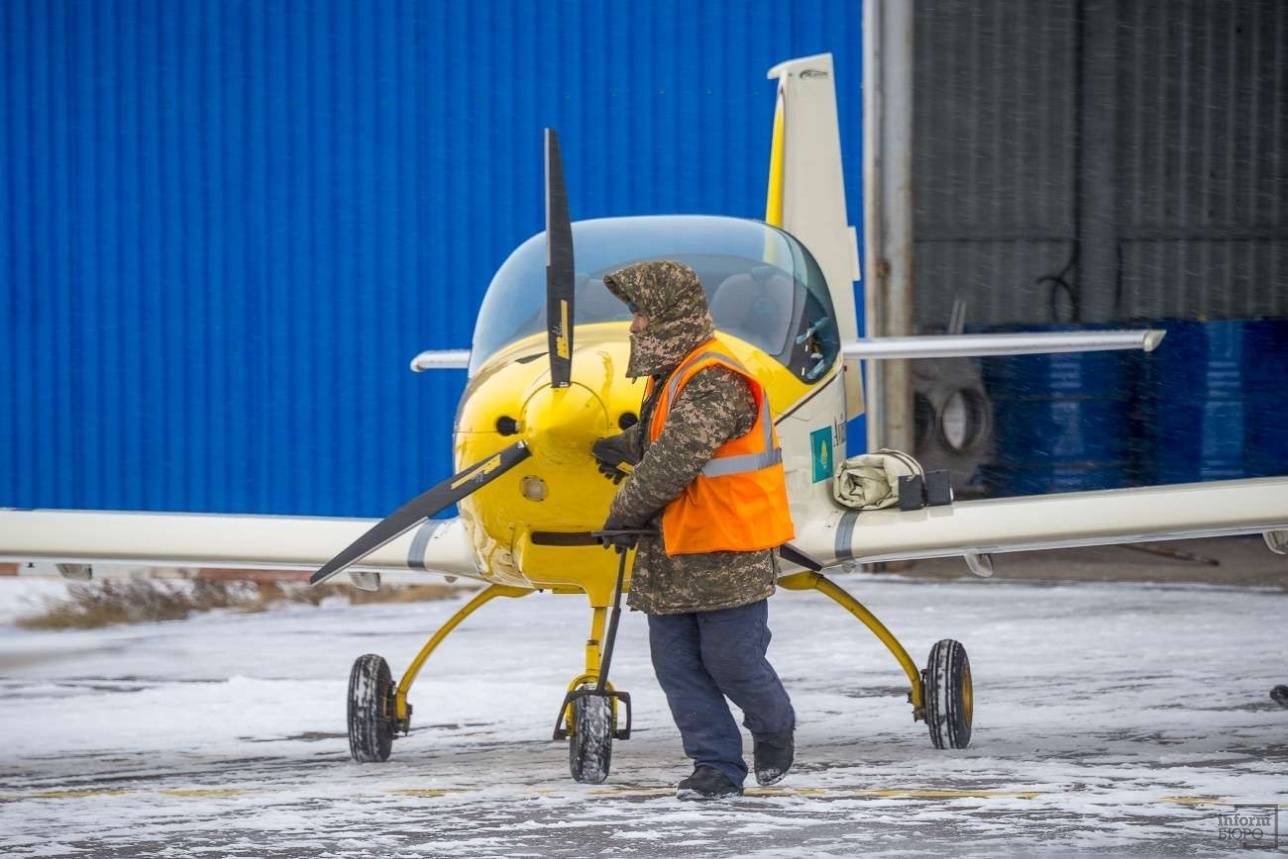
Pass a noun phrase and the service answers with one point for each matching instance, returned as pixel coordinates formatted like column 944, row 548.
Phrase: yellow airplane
column 546, row 378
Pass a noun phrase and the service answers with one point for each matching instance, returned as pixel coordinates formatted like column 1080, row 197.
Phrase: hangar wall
column 1129, row 157
column 226, row 226
column 1103, row 162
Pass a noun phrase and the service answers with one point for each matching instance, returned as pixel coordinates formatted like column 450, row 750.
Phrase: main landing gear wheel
column 371, row 709
column 590, row 743
column 949, row 698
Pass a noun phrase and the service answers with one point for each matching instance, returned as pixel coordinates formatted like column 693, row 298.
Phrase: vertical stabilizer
column 807, row 189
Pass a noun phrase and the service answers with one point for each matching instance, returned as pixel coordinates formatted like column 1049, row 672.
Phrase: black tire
column 371, row 709
column 950, row 700
column 590, row 745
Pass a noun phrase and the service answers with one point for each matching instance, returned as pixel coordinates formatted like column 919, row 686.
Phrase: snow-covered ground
column 1108, row 717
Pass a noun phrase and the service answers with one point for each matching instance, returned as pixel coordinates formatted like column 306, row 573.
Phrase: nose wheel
column 588, row 720
column 588, row 715
column 590, row 741
column 949, row 697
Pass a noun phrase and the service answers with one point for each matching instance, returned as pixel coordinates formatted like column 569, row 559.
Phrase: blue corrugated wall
column 226, row 226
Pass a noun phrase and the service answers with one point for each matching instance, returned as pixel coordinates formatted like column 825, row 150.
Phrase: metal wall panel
column 226, row 226
column 1134, row 154
column 1100, row 161
column 1203, row 158
column 995, row 157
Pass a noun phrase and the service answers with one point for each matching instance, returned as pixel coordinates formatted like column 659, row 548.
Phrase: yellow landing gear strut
column 402, row 710
column 588, row 716
column 941, row 695
column 378, row 709
column 590, row 674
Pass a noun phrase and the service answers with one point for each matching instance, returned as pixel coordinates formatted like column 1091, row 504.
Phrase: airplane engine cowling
column 561, row 424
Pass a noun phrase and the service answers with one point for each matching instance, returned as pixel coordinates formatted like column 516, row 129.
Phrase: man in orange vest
column 708, row 475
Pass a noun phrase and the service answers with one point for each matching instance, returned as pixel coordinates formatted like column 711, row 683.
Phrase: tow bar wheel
column 371, row 709
column 949, row 698
column 590, row 741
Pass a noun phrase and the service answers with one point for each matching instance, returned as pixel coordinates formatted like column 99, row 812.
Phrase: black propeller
column 559, row 322
column 423, row 506
column 559, row 267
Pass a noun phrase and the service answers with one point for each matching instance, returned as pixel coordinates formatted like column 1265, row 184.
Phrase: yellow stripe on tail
column 774, row 198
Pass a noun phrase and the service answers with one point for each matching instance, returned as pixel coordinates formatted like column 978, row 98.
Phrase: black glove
column 617, row 540
column 620, row 536
column 613, row 458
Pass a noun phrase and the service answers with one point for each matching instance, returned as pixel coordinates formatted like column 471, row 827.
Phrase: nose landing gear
column 588, row 715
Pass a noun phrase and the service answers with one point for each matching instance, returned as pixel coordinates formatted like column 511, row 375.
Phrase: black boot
column 706, row 783
column 773, row 757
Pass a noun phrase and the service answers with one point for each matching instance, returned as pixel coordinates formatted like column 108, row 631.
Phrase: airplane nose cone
column 560, row 424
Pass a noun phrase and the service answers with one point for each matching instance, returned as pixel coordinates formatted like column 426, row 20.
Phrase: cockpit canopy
column 763, row 286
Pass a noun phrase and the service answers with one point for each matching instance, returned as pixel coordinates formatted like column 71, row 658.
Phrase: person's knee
column 676, row 657
column 733, row 663
column 734, row 641
column 672, row 639
column 678, row 669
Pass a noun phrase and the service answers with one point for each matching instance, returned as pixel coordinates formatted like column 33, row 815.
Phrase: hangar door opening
column 1102, row 162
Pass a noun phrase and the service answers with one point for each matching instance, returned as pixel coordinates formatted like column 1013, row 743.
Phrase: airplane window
column 761, row 284
column 756, row 306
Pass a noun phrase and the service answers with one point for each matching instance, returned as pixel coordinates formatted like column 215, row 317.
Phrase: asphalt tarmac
column 1110, row 716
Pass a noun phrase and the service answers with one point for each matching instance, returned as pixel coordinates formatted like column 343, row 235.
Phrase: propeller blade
column 559, row 267
column 423, row 506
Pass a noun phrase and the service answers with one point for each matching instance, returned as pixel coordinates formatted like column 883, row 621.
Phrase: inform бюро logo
column 1249, row 825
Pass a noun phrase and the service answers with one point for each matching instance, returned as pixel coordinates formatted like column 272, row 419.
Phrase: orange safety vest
column 738, row 502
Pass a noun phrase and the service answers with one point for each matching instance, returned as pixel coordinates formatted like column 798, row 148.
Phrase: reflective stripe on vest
column 720, row 466
column 738, row 463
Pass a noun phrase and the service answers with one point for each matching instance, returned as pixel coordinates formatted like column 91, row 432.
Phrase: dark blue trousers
column 703, row 658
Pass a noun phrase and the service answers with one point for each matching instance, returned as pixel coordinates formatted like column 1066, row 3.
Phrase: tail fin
column 807, row 189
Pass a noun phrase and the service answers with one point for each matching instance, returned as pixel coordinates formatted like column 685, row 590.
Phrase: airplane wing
column 441, row 359
column 976, row 530
column 1019, row 343
column 440, row 546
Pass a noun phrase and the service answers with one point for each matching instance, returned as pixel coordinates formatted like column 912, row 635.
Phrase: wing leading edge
column 229, row 542
column 973, row 529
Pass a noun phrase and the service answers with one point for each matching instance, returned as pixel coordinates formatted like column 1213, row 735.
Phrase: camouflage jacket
column 713, row 407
